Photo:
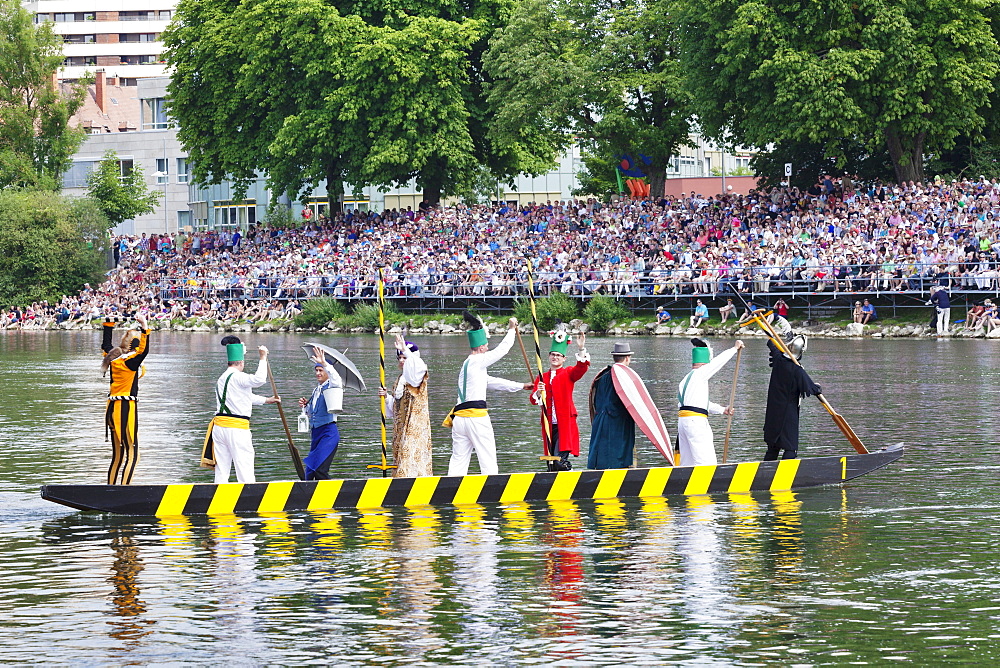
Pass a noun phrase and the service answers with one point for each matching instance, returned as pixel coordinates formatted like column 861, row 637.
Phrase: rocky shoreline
column 633, row 328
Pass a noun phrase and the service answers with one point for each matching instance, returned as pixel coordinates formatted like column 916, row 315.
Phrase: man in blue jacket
column 942, row 305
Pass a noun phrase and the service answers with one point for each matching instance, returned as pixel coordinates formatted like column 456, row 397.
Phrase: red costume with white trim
column 559, row 390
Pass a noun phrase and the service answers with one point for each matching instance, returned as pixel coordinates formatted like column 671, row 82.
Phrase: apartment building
column 122, row 37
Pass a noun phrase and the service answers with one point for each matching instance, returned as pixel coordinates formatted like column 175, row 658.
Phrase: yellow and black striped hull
column 210, row 499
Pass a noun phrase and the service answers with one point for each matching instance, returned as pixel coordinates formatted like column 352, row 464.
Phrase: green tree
column 309, row 90
column 904, row 77
column 602, row 72
column 36, row 142
column 50, row 245
column 598, row 175
column 810, row 160
column 120, row 196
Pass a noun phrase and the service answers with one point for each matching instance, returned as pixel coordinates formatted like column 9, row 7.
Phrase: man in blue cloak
column 612, row 433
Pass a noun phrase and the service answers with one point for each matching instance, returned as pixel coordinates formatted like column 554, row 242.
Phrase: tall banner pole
column 384, row 466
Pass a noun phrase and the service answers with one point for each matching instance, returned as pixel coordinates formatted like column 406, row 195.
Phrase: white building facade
column 123, row 37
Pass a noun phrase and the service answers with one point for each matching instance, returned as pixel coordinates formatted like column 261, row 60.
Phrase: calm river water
column 901, row 565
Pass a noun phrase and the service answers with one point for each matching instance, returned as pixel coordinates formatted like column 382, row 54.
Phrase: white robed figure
column 694, row 433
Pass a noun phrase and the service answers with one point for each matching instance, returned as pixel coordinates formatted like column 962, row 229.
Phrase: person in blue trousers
column 322, row 419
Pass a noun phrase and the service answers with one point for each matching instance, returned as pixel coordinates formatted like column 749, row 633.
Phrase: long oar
column 296, row 457
column 838, row 419
column 384, row 466
column 732, row 402
column 546, row 426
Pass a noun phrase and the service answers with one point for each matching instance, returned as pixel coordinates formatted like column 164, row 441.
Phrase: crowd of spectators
column 837, row 236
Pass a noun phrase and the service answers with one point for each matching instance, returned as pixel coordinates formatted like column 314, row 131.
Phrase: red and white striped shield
column 633, row 394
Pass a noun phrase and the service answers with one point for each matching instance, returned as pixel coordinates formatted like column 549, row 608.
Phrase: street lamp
column 165, row 176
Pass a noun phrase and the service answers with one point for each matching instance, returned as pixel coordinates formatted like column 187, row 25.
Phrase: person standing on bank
column 612, row 432
column 121, row 418
column 789, row 383
column 471, row 428
column 228, row 442
column 694, row 433
column 411, row 421
column 942, row 308
column 322, row 407
column 557, row 387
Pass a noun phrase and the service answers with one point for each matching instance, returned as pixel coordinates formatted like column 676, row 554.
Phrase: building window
column 79, row 39
column 71, row 17
column 182, row 170
column 138, row 60
column 80, row 61
column 162, row 170
column 76, row 175
column 137, row 16
column 154, row 114
column 165, row 15
column 139, row 37
column 183, row 220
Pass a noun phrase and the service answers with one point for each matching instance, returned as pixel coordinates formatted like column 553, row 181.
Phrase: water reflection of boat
column 201, row 499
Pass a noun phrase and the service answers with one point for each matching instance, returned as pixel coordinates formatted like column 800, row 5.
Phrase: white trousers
column 233, row 447
column 696, row 441
column 943, row 320
column 468, row 434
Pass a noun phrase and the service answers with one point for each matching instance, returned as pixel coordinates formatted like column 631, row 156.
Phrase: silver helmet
column 797, row 346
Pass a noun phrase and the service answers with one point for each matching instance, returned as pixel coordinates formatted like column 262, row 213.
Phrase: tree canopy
column 50, row 245
column 36, row 142
column 120, row 196
column 307, row 90
column 603, row 73
column 906, row 78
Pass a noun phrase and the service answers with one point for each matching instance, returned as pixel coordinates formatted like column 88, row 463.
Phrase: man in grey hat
column 612, row 434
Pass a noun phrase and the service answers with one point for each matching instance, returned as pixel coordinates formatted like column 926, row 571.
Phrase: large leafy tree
column 904, row 76
column 120, row 196
column 36, row 142
column 50, row 245
column 307, row 90
column 602, row 72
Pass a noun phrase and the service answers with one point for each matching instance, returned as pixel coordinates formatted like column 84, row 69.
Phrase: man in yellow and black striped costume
column 121, row 419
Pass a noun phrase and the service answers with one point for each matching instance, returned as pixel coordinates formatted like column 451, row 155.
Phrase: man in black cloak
column 789, row 383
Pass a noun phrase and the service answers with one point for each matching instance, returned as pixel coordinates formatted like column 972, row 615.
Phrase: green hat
column 701, row 353
column 235, row 352
column 560, row 341
column 477, row 331
column 477, row 337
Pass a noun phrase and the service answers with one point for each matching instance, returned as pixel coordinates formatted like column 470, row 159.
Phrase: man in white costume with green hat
column 471, row 428
column 694, row 433
column 228, row 442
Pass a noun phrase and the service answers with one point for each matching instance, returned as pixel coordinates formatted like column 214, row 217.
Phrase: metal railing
column 785, row 281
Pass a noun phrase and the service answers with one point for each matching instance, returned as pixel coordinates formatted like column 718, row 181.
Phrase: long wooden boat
column 265, row 497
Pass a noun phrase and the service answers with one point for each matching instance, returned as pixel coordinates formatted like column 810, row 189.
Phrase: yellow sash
column 465, row 412
column 230, row 421
column 689, row 414
column 208, row 447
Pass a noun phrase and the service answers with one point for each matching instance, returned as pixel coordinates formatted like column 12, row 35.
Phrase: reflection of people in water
column 564, row 569
column 125, row 598
column 234, row 586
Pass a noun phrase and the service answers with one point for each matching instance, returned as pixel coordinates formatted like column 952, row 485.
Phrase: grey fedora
column 621, row 348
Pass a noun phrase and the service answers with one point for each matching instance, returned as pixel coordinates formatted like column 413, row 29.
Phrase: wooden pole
column 546, row 426
column 296, row 457
column 732, row 402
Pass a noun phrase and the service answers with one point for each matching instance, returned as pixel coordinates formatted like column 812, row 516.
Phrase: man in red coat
column 556, row 386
